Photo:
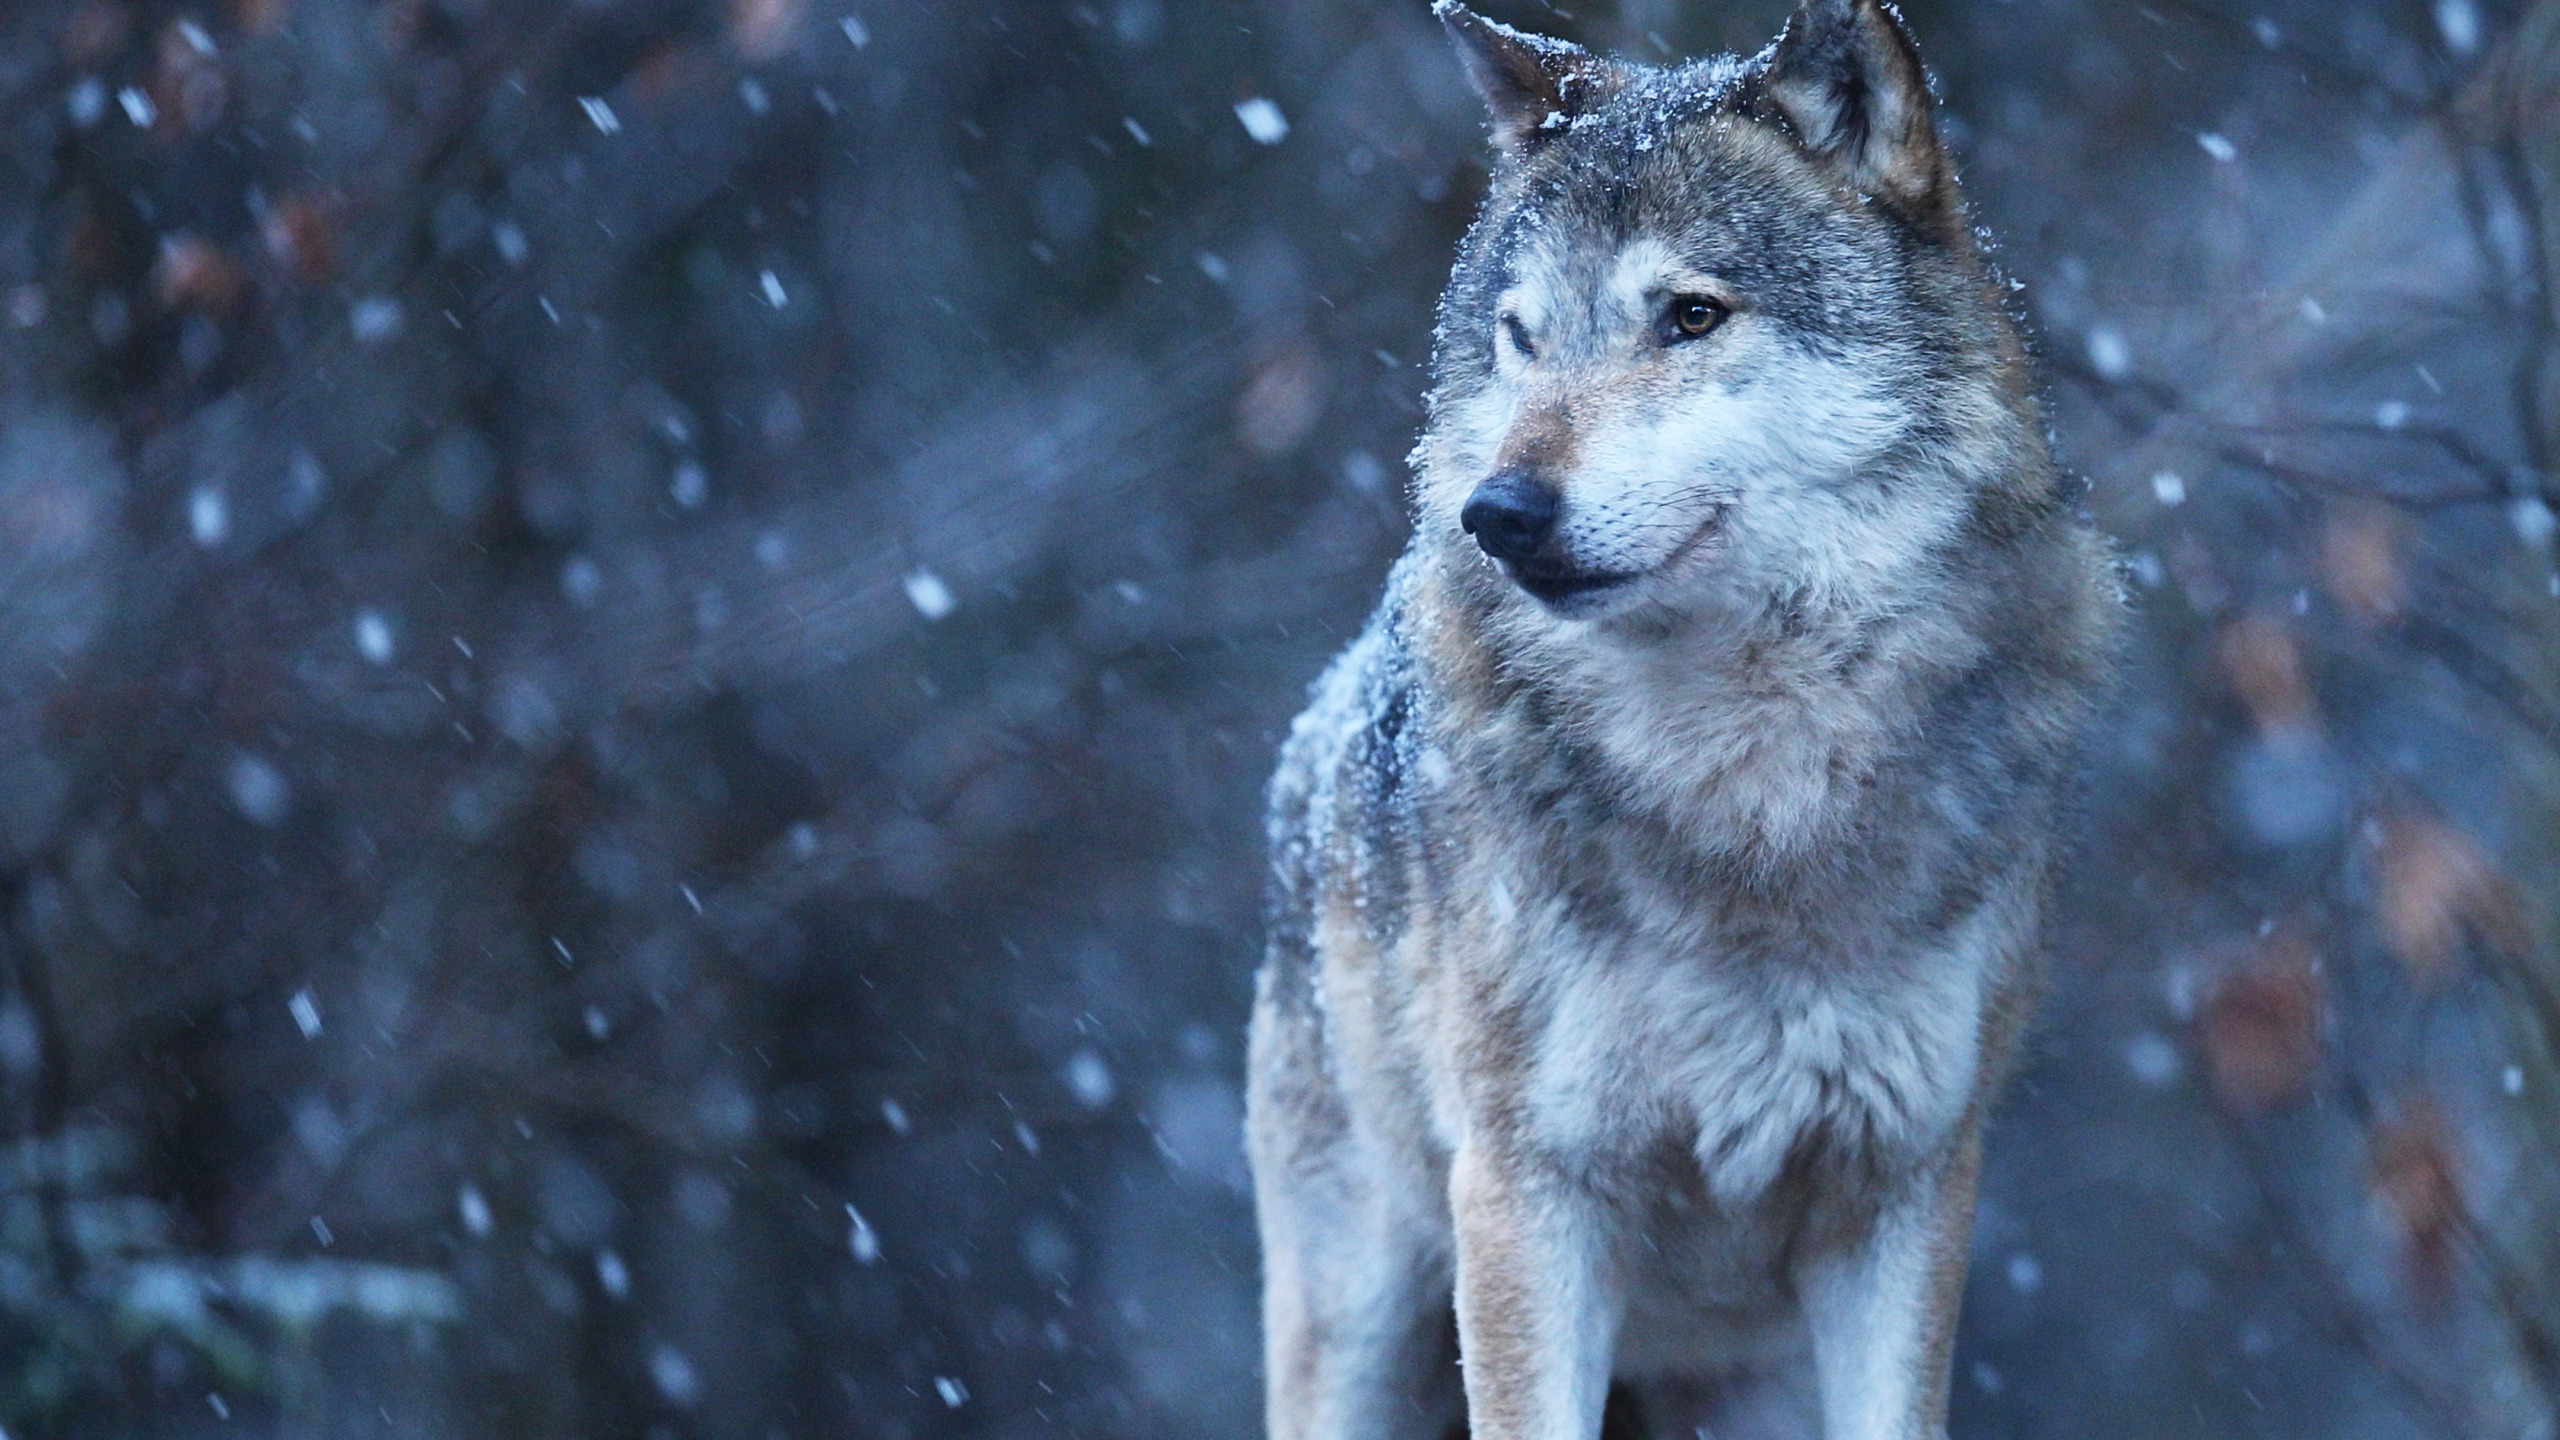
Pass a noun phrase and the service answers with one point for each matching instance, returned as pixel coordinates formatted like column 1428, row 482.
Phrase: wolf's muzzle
column 1511, row 514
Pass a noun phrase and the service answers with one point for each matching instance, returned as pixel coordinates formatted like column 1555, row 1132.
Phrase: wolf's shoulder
column 1341, row 800
column 1351, row 744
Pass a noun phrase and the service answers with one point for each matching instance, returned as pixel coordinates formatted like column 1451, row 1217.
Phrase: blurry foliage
column 641, row 638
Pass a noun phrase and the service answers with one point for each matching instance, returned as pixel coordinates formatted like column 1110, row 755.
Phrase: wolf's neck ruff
column 1747, row 739
column 1657, row 879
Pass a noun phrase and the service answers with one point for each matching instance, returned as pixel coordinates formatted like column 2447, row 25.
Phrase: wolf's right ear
column 1532, row 84
column 1847, row 79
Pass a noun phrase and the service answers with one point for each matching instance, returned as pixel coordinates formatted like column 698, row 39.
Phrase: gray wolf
column 1658, row 877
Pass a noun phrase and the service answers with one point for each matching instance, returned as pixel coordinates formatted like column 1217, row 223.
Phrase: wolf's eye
column 1519, row 334
column 1694, row 315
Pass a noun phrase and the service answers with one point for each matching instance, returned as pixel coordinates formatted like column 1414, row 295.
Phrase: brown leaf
column 191, row 81
column 258, row 16
column 2360, row 564
column 301, row 233
column 671, row 69
column 2437, row 887
column 193, row 273
column 1281, row 402
column 94, row 32
column 2418, row 1179
column 90, row 249
column 2260, row 1028
column 2261, row 659
column 763, row 29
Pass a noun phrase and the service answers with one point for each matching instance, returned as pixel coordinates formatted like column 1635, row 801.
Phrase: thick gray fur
column 1653, row 916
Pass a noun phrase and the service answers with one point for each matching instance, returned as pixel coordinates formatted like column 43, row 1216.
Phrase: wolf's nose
column 1510, row 515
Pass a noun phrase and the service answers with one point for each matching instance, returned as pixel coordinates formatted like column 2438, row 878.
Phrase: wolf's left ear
column 1847, row 79
column 1531, row 83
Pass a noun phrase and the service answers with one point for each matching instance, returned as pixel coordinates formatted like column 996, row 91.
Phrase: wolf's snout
column 1510, row 514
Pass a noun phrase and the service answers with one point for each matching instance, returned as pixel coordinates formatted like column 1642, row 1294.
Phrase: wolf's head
column 1721, row 335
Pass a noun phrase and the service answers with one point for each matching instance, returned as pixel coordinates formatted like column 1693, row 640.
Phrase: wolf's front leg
column 1539, row 1298
column 1355, row 1251
column 1355, row 1316
column 1882, row 1308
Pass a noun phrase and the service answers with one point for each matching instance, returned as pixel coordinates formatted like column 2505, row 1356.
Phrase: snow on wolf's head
column 1721, row 334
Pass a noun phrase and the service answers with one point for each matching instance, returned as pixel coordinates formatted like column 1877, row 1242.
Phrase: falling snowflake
column 1262, row 120
column 933, row 599
column 373, row 637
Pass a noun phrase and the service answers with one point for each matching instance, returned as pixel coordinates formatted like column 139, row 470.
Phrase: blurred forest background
column 639, row 639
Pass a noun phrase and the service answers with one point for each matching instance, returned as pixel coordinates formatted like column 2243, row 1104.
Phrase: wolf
column 1657, row 878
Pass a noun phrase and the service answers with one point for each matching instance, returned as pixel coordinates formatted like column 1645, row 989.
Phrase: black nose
column 1510, row 514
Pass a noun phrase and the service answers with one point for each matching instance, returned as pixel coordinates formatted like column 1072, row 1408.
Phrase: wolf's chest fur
column 1670, row 907
column 1690, row 886
column 1635, row 1044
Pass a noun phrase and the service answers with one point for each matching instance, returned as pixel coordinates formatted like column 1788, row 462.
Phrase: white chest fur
column 1745, row 1062
column 1755, row 742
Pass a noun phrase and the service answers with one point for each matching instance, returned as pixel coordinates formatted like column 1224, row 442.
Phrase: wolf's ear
column 1847, row 79
column 1529, row 82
